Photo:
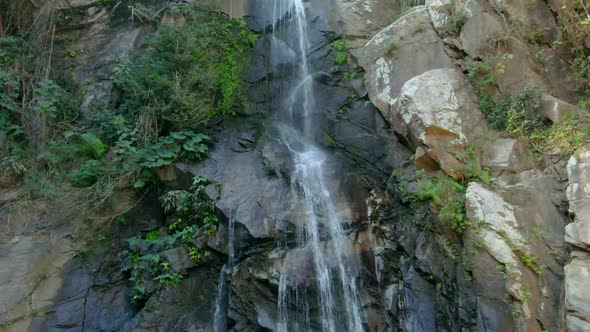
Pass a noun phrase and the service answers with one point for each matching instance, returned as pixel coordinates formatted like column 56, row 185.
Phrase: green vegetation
column 338, row 47
column 514, row 114
column 446, row 195
column 188, row 74
column 193, row 212
column 161, row 102
column 457, row 20
column 518, row 115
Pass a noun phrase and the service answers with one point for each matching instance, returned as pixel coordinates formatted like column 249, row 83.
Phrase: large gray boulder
column 401, row 51
column 578, row 195
column 577, row 293
column 359, row 20
column 577, row 233
column 437, row 111
column 478, row 32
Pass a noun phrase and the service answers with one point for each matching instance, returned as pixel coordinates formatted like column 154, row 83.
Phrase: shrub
column 187, row 74
column 446, row 195
column 339, row 48
column 515, row 114
column 193, row 210
column 88, row 174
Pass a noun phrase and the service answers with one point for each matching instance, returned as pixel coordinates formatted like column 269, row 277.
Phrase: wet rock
column 417, row 295
column 277, row 159
column 188, row 307
column 250, row 196
column 405, row 49
column 437, row 111
column 97, row 99
column 179, row 259
column 555, row 109
column 245, row 142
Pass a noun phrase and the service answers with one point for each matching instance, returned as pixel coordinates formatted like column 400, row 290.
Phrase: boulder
column 577, row 293
column 578, row 195
column 506, row 155
column 535, row 13
column 401, row 51
column 437, row 111
column 478, row 31
column 179, row 259
column 555, row 109
column 440, row 13
column 360, row 19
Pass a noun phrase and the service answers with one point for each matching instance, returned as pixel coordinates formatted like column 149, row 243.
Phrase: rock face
column 578, row 195
column 478, row 31
column 577, row 273
column 506, row 155
column 555, row 109
column 509, row 245
column 401, row 51
column 437, row 111
column 415, row 273
column 440, row 14
column 360, row 19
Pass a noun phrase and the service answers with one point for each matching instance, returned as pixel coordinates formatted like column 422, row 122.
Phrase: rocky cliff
column 455, row 222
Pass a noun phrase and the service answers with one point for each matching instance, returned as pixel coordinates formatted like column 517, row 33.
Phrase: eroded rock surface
column 437, row 111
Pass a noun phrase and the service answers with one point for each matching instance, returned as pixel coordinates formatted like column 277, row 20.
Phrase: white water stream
column 331, row 290
column 338, row 300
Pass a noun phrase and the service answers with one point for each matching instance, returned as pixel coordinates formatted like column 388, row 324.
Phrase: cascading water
column 223, row 287
column 323, row 234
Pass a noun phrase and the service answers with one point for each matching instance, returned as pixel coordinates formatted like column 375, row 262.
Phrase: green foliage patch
column 192, row 211
column 189, row 73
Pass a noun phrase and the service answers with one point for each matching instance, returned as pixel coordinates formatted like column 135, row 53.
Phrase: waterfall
column 224, row 286
column 323, row 234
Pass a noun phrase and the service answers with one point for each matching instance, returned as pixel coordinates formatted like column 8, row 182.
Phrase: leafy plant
column 90, row 171
column 446, row 195
column 52, row 100
column 167, row 149
column 187, row 74
column 338, row 46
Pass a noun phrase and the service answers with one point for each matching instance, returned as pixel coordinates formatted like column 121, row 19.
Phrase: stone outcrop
column 437, row 111
column 554, row 109
column 401, row 51
column 515, row 249
column 359, row 20
column 506, row 155
column 577, row 233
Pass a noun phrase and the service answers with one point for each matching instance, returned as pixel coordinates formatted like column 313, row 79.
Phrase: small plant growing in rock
column 529, row 260
column 447, row 195
column 457, row 19
column 391, row 47
column 339, row 47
